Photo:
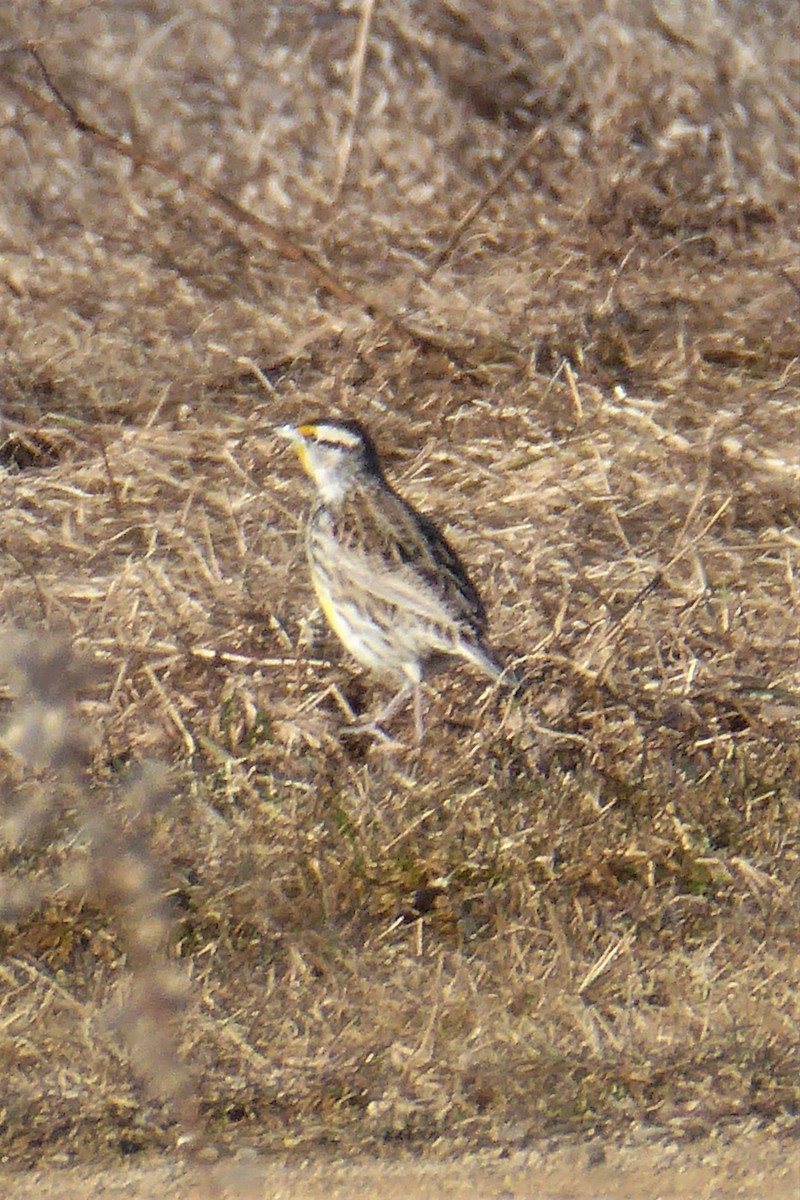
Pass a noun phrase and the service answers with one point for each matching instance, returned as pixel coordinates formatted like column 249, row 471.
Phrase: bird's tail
column 485, row 659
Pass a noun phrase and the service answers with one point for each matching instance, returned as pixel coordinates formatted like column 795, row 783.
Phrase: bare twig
column 64, row 110
column 474, row 211
column 354, row 106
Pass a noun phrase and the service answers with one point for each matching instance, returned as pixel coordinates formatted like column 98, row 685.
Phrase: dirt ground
column 746, row 1167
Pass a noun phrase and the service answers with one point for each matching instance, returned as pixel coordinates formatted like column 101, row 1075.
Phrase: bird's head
column 336, row 454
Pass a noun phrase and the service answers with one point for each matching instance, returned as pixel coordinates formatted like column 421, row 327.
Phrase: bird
column 389, row 583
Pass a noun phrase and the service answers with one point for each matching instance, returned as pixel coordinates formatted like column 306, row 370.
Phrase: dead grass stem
column 567, row 914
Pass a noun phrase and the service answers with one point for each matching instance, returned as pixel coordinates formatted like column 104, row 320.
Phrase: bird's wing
column 402, row 558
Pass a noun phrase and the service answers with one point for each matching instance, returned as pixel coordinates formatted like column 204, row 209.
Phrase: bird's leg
column 419, row 713
column 373, row 724
column 395, row 704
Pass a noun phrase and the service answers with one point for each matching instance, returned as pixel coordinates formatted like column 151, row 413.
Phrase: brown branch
column 63, row 110
column 60, row 109
column 513, row 164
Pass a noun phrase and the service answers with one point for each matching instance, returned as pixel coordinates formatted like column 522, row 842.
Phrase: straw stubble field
column 548, row 255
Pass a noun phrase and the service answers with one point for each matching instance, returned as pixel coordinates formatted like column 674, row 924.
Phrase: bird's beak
column 297, row 435
column 291, row 433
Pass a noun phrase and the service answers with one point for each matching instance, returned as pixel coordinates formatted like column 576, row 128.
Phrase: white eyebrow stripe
column 337, row 437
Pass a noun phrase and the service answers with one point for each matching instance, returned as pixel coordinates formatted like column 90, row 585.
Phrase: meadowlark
column 390, row 585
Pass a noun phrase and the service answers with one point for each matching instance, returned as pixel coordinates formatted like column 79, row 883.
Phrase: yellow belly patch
column 331, row 613
column 365, row 644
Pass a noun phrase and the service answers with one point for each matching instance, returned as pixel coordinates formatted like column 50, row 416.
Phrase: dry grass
column 575, row 913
